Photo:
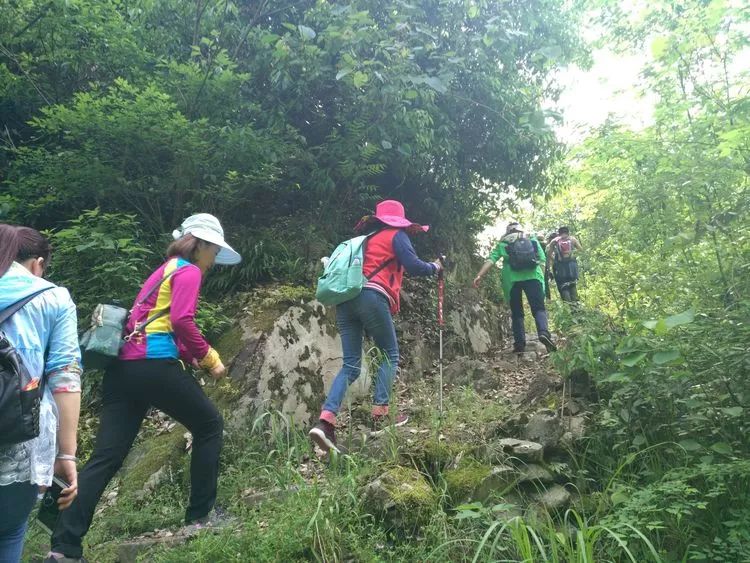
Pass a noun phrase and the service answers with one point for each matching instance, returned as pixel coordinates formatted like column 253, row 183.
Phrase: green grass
column 329, row 518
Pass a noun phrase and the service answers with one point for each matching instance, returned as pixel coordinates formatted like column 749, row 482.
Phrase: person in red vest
column 388, row 254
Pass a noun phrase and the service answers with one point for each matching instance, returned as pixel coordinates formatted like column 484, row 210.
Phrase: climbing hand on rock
column 218, row 371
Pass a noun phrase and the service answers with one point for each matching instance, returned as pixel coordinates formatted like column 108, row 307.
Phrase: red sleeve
column 186, row 284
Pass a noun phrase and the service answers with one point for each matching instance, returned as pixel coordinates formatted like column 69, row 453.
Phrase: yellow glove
column 210, row 360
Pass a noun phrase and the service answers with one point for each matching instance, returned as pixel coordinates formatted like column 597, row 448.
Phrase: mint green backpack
column 343, row 278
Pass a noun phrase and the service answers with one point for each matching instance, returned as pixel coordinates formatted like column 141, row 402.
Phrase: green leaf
column 619, row 497
column 660, row 358
column 658, row 326
column 343, row 72
column 633, row 359
column 470, row 506
column 360, row 78
column 683, row 318
column 386, row 144
column 436, row 84
column 659, row 45
column 405, row 149
column 734, row 412
column 690, row 445
column 722, row 448
column 617, row 377
column 307, row 33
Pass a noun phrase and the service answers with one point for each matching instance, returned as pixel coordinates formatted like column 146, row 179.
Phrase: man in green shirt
column 523, row 260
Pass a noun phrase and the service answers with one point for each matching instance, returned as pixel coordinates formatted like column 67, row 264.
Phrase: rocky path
column 501, row 432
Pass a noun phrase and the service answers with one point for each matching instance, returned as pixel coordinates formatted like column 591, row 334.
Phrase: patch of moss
column 148, row 457
column 464, row 480
column 289, row 295
column 406, row 494
column 229, row 344
column 433, row 454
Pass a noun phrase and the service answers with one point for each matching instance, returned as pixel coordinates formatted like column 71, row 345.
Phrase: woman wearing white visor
column 161, row 339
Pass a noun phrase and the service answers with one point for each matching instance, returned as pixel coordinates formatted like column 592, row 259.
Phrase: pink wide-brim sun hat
column 391, row 212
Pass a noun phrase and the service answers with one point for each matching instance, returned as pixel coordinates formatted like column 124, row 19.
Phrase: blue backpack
column 343, row 277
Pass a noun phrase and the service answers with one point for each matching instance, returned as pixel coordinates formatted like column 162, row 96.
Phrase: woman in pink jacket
column 161, row 340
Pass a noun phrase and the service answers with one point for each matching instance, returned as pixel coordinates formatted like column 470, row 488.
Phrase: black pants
column 566, row 278
column 535, row 295
column 130, row 388
column 568, row 290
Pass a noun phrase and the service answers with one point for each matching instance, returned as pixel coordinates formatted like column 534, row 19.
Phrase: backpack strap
column 377, row 270
column 137, row 329
column 18, row 305
column 156, row 286
column 12, row 310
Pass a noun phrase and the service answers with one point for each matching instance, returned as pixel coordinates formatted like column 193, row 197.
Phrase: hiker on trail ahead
column 151, row 372
column 40, row 356
column 387, row 253
column 561, row 256
column 523, row 257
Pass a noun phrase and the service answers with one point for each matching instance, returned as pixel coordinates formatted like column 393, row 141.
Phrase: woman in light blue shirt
column 47, row 323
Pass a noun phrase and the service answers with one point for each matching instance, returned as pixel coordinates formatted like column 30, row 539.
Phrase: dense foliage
column 287, row 121
column 664, row 215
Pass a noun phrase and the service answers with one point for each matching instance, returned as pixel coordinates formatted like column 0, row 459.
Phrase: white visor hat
column 207, row 227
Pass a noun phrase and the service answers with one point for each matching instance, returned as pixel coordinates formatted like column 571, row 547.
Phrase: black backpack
column 522, row 254
column 19, row 408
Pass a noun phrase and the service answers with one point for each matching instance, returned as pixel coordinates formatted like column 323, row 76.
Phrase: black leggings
column 130, row 388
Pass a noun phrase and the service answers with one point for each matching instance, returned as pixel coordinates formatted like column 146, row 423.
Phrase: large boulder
column 287, row 351
column 291, row 366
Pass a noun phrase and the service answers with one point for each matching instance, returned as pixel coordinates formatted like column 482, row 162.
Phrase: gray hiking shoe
column 217, row 518
column 546, row 339
column 53, row 557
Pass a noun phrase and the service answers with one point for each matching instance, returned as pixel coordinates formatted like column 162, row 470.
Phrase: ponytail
column 18, row 244
column 8, row 246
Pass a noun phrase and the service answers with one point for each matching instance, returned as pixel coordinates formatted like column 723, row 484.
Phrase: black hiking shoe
column 324, row 435
column 519, row 348
column 546, row 339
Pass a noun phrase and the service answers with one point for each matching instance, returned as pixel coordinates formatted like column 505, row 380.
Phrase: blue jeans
column 16, row 500
column 368, row 312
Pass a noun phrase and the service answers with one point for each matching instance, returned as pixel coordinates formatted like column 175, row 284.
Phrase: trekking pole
column 441, row 322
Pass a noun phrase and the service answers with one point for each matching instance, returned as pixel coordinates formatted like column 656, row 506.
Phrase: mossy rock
column 148, row 457
column 402, row 496
column 229, row 344
column 433, row 455
column 463, row 481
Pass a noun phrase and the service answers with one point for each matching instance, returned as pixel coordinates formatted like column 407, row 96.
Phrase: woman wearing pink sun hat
column 388, row 253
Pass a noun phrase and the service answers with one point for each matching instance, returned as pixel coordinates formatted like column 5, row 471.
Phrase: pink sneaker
column 381, row 422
